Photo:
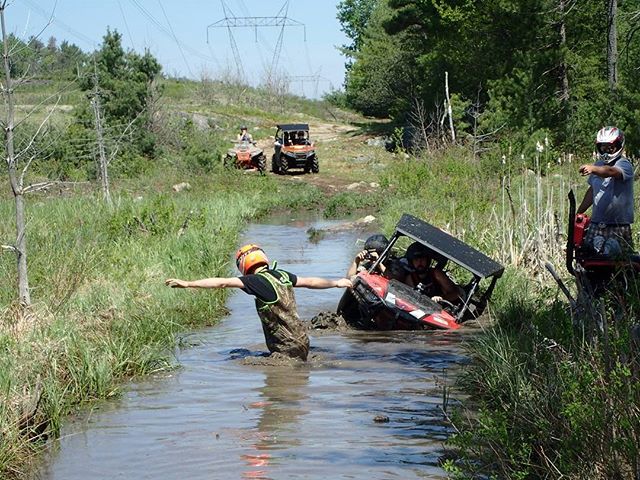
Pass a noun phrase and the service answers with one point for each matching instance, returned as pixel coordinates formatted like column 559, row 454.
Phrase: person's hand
column 344, row 283
column 436, row 298
column 176, row 283
column 365, row 254
column 586, row 170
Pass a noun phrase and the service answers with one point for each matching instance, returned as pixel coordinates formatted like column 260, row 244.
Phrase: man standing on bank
column 611, row 195
column 275, row 301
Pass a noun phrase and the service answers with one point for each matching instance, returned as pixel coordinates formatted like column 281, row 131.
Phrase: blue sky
column 176, row 34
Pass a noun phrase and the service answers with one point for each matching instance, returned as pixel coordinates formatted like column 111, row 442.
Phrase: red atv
column 379, row 303
column 246, row 155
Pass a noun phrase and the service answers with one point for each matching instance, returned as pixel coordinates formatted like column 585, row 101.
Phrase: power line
column 168, row 33
column 124, row 19
column 176, row 39
column 60, row 23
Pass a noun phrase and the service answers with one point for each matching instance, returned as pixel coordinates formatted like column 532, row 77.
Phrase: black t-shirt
column 260, row 287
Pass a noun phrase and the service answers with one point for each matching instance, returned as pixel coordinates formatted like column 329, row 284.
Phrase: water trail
column 217, row 417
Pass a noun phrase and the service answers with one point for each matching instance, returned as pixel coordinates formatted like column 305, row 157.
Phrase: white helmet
column 609, row 144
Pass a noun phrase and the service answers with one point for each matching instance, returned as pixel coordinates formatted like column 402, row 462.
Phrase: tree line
column 519, row 70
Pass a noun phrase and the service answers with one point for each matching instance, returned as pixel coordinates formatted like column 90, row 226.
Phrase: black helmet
column 417, row 250
column 376, row 242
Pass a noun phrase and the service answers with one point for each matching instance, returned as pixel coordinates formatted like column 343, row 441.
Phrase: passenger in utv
column 274, row 297
column 610, row 193
column 373, row 248
column 428, row 279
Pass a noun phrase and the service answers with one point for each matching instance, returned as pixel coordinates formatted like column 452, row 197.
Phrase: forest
column 518, row 71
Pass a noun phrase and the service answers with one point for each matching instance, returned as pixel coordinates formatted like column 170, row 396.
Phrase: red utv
column 378, row 303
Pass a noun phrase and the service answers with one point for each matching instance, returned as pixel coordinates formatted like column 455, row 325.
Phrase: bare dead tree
column 564, row 69
column 449, row 110
column 15, row 178
column 421, row 125
column 102, row 155
column 18, row 163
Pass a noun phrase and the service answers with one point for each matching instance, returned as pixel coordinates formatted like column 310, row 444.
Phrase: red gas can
column 579, row 227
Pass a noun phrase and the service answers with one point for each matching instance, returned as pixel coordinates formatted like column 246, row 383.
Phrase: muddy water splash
column 367, row 406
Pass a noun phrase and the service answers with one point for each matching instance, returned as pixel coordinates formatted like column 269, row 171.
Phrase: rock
column 362, row 159
column 353, row 186
column 178, row 187
column 374, row 185
column 381, row 419
column 376, row 142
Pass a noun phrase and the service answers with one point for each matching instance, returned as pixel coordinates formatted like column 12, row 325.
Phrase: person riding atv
column 245, row 153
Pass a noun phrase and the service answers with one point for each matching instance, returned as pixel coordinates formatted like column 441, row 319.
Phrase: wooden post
column 449, row 112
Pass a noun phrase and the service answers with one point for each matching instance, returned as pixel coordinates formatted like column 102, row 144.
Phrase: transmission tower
column 231, row 21
column 314, row 79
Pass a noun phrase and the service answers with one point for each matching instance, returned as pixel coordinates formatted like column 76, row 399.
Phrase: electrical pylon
column 231, row 21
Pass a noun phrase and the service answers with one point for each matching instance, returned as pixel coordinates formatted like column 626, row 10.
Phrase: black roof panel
column 455, row 250
column 293, row 126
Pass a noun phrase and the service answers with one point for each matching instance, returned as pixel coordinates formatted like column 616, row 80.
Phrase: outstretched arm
column 320, row 283
column 603, row 171
column 232, row 282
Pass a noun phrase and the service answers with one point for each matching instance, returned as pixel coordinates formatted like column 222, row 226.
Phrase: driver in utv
column 431, row 281
column 610, row 193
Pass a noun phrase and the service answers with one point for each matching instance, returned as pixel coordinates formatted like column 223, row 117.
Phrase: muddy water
column 219, row 418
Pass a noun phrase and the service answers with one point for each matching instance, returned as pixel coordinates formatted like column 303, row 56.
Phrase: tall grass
column 549, row 401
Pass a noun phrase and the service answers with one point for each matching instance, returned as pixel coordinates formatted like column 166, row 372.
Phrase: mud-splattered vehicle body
column 293, row 148
column 246, row 155
column 379, row 303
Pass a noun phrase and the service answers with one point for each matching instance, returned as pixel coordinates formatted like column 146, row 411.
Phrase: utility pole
column 231, row 21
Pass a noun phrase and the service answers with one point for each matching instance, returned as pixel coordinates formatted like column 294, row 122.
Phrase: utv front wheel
column 315, row 165
column 274, row 165
column 283, row 165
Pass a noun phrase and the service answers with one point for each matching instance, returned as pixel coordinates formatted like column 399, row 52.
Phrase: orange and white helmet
column 249, row 257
